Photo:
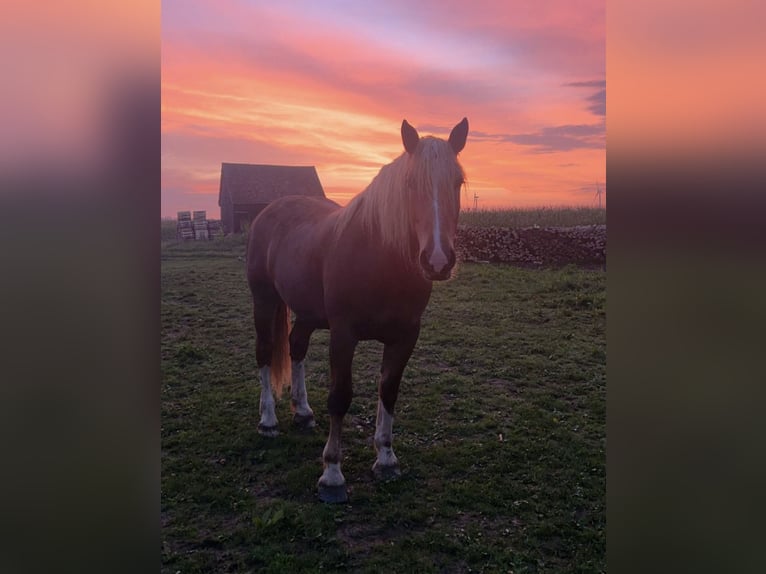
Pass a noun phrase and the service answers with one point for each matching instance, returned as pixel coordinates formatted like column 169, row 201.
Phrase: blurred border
column 687, row 231
column 79, row 239
column 79, row 202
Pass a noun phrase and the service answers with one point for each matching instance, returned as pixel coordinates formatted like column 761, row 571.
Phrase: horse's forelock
column 434, row 159
column 385, row 206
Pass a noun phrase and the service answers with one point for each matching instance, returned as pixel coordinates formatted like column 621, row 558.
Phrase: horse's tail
column 280, row 354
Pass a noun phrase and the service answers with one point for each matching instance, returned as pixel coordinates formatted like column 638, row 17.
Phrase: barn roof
column 249, row 183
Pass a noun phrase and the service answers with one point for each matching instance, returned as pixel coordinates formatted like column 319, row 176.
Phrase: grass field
column 500, row 431
column 542, row 216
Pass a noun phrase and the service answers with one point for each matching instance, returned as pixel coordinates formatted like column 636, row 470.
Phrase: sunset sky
column 328, row 83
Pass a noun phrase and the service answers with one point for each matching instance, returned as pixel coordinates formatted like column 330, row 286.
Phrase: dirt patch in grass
column 507, row 386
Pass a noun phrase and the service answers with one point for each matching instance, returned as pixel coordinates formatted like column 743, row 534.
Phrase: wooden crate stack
column 197, row 226
column 184, row 229
column 200, row 225
column 214, row 229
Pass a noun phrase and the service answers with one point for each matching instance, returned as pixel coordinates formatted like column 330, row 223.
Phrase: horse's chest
column 379, row 311
column 400, row 306
column 373, row 290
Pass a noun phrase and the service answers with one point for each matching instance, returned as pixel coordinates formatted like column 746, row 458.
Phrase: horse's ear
column 458, row 136
column 410, row 137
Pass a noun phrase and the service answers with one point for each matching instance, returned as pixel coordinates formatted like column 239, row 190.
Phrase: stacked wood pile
column 533, row 246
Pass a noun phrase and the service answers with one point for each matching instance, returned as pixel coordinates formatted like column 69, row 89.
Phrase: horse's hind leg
column 300, row 335
column 264, row 309
column 395, row 357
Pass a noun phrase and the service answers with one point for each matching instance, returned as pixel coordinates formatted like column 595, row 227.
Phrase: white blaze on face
column 438, row 260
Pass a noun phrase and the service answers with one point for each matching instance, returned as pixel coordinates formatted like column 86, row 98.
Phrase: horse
column 364, row 272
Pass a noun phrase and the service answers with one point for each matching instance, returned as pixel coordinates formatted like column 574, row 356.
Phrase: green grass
column 504, row 352
column 232, row 245
column 543, row 216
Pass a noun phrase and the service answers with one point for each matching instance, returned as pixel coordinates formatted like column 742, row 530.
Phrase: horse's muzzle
column 444, row 270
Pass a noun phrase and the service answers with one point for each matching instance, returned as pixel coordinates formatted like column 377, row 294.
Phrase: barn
column 247, row 188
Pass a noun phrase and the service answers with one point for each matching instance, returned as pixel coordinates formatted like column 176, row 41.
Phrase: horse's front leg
column 332, row 484
column 395, row 357
column 303, row 415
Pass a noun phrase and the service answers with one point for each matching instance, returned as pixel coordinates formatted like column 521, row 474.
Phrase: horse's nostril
column 451, row 258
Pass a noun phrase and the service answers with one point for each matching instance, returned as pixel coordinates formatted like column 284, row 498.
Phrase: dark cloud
column 598, row 103
column 597, row 100
column 553, row 138
column 561, row 138
column 588, row 84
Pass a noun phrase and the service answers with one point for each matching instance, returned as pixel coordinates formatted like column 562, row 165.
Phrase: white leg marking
column 303, row 415
column 383, row 438
column 298, row 391
column 268, row 413
column 332, row 476
column 438, row 259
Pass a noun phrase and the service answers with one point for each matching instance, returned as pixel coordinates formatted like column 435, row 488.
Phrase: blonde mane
column 384, row 208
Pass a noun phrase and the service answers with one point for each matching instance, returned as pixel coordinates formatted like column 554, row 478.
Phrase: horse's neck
column 368, row 235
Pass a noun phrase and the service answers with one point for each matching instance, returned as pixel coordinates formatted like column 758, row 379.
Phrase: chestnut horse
column 364, row 272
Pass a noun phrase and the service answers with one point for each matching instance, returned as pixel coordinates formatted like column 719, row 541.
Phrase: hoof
column 304, row 422
column 333, row 494
column 270, row 432
column 386, row 472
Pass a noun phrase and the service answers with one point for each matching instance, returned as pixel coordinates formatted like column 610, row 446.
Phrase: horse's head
column 434, row 178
